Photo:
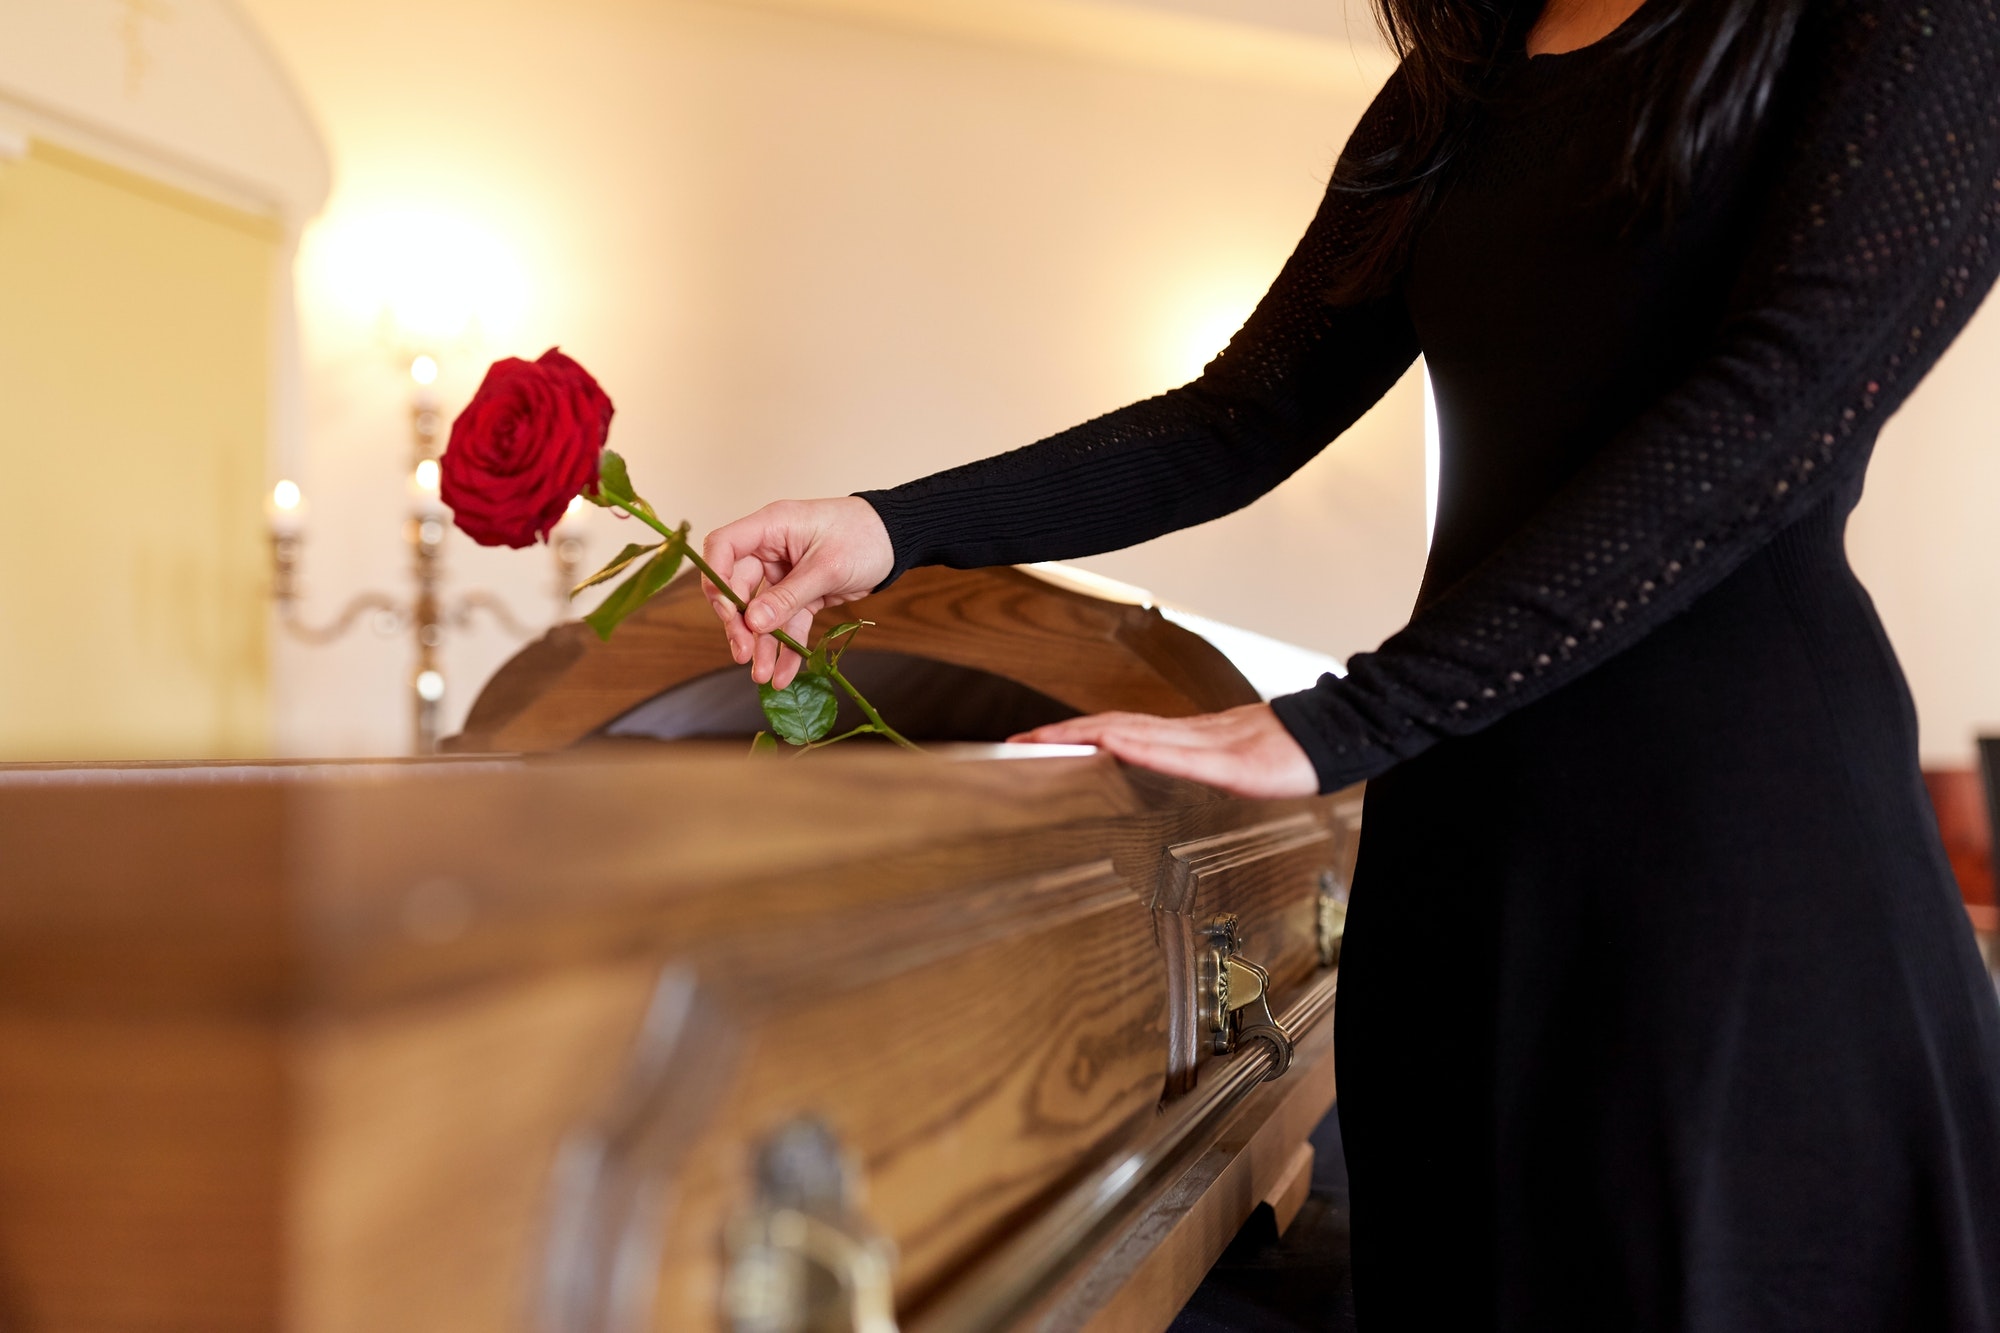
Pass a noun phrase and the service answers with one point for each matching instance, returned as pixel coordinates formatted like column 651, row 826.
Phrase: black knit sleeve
column 1298, row 373
column 1875, row 244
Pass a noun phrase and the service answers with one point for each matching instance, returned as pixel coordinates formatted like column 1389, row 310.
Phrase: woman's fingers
column 763, row 659
column 789, row 662
column 743, row 574
column 748, row 576
column 801, row 590
column 1244, row 750
column 1196, row 763
column 774, row 664
column 725, row 611
column 1089, row 730
column 726, row 550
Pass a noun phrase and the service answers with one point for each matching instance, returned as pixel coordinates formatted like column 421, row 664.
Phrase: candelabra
column 426, row 613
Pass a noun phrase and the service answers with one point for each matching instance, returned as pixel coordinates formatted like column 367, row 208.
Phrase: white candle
column 286, row 509
column 424, row 479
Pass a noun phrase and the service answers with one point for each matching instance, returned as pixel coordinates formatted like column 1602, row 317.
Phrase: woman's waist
column 1814, row 546
column 1781, row 673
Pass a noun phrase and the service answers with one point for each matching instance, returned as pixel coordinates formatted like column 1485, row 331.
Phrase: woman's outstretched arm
column 1878, row 241
column 1298, row 373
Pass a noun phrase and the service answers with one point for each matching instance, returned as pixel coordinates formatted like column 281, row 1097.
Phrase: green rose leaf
column 617, row 566
column 832, row 642
column 633, row 593
column 763, row 743
column 614, row 483
column 826, row 655
column 803, row 711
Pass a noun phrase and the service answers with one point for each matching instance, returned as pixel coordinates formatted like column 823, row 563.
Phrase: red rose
column 526, row 444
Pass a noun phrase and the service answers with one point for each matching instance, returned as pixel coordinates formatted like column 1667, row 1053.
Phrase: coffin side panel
column 141, row 1170
column 992, row 1063
column 1268, row 877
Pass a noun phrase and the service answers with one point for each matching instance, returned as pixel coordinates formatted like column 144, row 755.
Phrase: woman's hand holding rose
column 789, row 561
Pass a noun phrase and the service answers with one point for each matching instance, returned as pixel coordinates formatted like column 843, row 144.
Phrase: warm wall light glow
column 285, row 496
column 1433, row 461
column 1207, row 335
column 427, row 278
column 427, row 476
column 424, row 370
column 1201, row 313
column 577, row 504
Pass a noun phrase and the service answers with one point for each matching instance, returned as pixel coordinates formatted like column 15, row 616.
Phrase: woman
column 1658, row 1009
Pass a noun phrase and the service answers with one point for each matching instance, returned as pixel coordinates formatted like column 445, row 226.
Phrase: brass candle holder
column 426, row 613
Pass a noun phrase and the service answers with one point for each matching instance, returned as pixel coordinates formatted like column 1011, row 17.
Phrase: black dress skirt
column 1658, row 1008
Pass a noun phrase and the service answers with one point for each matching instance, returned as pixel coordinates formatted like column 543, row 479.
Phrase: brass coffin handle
column 1239, row 1000
column 1331, row 922
column 800, row 1259
column 782, row 1256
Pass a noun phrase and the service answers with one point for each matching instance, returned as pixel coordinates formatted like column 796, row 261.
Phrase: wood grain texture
column 312, row 1044
column 380, row 1047
column 429, row 1136
column 141, row 1173
column 1090, row 654
column 1288, row 1193
column 1138, row 1279
column 1001, row 1052
column 440, row 970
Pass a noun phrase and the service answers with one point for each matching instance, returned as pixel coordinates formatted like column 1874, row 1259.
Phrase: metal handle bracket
column 1239, row 999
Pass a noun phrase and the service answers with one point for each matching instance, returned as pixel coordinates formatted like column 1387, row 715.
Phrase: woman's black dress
column 1658, row 1009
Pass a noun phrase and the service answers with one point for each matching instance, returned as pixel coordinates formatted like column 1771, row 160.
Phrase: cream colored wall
column 183, row 92
column 133, row 369
column 144, row 376
column 1926, row 542
column 805, row 256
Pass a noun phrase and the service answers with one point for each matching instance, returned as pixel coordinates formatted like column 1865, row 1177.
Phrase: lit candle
column 286, row 509
column 424, row 489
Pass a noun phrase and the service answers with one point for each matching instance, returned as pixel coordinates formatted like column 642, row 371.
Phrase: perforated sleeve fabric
column 1298, row 373
column 1875, row 246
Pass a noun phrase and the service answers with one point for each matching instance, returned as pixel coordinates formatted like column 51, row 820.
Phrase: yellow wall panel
column 134, row 370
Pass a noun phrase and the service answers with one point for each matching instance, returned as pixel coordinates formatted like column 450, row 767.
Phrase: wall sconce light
column 425, row 613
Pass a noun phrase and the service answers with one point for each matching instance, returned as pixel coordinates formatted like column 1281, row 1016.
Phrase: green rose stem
column 875, row 722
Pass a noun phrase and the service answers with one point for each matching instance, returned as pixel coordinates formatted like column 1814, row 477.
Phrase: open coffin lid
column 952, row 655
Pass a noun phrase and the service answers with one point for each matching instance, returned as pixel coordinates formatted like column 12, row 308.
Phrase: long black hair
column 1701, row 75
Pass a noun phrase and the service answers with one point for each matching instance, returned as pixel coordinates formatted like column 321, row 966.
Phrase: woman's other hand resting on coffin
column 789, row 560
column 1242, row 750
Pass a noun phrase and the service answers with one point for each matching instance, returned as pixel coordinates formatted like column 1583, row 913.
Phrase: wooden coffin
column 657, row 1036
